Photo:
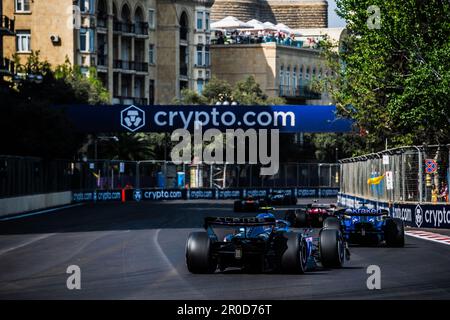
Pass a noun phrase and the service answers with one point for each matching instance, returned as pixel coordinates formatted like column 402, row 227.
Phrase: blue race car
column 364, row 225
column 261, row 243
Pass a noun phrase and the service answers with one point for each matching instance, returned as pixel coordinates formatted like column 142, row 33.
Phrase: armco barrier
column 419, row 215
column 156, row 194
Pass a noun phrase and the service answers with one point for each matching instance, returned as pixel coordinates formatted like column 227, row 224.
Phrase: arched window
column 288, row 78
column 115, row 14
column 281, row 80
column 141, row 25
column 102, row 14
column 125, row 16
column 184, row 26
column 294, row 78
column 307, row 74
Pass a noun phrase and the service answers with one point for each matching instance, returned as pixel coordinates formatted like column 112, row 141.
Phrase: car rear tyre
column 332, row 248
column 332, row 223
column 301, row 219
column 295, row 258
column 198, row 253
column 394, row 232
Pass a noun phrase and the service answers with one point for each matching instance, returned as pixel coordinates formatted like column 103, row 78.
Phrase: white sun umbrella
column 269, row 26
column 254, row 22
column 229, row 23
column 283, row 28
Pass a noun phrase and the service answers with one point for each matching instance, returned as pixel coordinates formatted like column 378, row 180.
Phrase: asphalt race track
column 136, row 251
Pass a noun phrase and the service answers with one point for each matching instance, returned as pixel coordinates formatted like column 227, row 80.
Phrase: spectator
column 443, row 194
column 434, row 193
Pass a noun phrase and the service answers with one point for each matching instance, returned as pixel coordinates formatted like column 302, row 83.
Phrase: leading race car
column 366, row 225
column 262, row 243
column 280, row 199
column 247, row 204
column 311, row 215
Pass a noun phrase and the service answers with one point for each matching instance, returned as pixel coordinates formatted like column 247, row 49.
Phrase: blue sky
column 333, row 19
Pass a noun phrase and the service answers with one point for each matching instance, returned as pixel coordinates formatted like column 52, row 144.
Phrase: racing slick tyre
column 301, row 219
column 295, row 258
column 332, row 223
column 237, row 206
column 394, row 232
column 332, row 248
column 297, row 218
column 198, row 253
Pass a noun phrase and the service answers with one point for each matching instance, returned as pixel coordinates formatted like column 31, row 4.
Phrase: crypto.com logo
column 132, row 118
column 419, row 215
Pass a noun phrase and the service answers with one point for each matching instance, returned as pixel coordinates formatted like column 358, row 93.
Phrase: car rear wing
column 362, row 212
column 239, row 221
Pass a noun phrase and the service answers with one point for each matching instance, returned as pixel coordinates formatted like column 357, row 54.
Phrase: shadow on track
column 123, row 216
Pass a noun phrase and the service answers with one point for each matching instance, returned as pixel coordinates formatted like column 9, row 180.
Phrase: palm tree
column 133, row 146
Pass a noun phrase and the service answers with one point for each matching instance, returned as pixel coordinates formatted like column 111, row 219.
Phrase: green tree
column 394, row 80
column 88, row 88
column 217, row 91
column 28, row 125
column 133, row 146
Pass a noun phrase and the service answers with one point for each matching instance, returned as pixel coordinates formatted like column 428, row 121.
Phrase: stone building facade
column 144, row 51
column 293, row 13
column 281, row 71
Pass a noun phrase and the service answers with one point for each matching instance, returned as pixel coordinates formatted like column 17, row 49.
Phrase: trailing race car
column 248, row 204
column 262, row 243
column 313, row 215
column 366, row 225
column 280, row 199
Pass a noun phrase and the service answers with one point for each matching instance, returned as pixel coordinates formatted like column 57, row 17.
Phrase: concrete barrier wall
column 34, row 202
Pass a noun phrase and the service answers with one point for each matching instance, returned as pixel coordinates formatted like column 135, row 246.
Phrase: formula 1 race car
column 248, row 204
column 366, row 225
column 312, row 215
column 262, row 243
column 280, row 199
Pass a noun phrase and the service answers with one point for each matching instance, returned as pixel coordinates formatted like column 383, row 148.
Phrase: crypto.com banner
column 167, row 118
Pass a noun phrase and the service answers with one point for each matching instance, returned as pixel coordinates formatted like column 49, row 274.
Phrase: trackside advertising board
column 167, row 118
column 158, row 194
column 419, row 215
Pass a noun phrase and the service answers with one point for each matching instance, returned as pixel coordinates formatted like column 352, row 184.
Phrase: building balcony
column 102, row 21
column 102, row 60
column 141, row 28
column 299, row 92
column 138, row 28
column 131, row 65
column 123, row 27
column 183, row 70
column 141, row 66
column 7, row 26
column 6, row 66
column 184, row 33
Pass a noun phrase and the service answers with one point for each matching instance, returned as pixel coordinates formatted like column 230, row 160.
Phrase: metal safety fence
column 405, row 174
column 25, row 175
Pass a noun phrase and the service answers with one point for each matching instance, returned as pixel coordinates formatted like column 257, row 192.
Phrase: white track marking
column 430, row 236
column 26, row 243
column 41, row 212
column 173, row 270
